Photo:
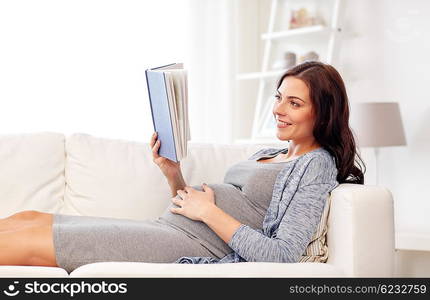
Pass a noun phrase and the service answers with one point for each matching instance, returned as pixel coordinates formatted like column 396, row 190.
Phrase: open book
column 168, row 98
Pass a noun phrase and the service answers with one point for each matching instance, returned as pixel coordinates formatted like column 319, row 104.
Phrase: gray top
column 245, row 194
column 293, row 213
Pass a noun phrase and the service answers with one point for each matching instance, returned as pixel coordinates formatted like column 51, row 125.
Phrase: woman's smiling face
column 293, row 105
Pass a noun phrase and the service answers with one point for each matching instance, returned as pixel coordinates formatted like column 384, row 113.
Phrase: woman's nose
column 279, row 108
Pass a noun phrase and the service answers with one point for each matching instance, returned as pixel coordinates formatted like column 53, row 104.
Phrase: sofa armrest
column 360, row 233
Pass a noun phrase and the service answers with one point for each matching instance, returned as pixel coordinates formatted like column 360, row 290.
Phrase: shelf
column 412, row 241
column 309, row 37
column 258, row 75
column 295, row 32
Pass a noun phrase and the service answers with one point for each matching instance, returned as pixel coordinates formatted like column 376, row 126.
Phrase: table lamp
column 377, row 124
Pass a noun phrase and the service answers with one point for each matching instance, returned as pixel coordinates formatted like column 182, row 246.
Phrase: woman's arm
column 221, row 223
column 289, row 241
column 176, row 183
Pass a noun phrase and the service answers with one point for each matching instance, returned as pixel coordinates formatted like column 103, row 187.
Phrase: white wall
column 251, row 16
column 211, row 70
column 78, row 66
column 384, row 58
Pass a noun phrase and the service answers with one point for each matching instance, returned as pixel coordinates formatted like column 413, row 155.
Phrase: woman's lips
column 280, row 124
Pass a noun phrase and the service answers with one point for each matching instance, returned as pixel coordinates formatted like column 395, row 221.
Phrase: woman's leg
column 26, row 239
column 23, row 219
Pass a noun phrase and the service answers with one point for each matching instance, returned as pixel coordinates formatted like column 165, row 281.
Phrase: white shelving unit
column 263, row 123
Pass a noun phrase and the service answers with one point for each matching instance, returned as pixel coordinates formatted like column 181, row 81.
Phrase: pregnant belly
column 230, row 200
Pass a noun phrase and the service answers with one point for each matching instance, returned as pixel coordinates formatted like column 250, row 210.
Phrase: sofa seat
column 32, row 271
column 164, row 270
column 243, row 269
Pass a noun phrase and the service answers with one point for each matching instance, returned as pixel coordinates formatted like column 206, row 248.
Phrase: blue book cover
column 160, row 110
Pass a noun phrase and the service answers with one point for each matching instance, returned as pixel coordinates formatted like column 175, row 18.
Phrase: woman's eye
column 294, row 104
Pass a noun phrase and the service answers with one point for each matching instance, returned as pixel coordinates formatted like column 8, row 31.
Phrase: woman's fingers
column 177, row 201
column 155, row 152
column 175, row 210
column 153, row 139
column 155, row 145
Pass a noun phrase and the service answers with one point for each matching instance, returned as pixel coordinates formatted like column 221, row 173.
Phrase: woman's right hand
column 169, row 168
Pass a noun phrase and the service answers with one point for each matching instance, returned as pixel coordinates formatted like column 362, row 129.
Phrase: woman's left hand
column 194, row 204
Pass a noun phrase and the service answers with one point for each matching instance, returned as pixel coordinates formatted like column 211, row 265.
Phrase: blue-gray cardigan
column 299, row 194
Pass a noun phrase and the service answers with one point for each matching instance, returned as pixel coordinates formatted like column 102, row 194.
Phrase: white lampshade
column 377, row 124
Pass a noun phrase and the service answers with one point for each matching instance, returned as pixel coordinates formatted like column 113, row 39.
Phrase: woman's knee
column 27, row 215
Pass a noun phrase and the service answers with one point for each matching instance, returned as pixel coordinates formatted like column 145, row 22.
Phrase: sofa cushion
column 117, row 178
column 243, row 269
column 31, row 172
column 111, row 178
column 317, row 250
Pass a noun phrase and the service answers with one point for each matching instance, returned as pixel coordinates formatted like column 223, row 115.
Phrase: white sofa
column 81, row 174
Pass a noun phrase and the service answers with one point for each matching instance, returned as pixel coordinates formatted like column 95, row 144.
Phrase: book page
column 186, row 119
column 180, row 97
column 173, row 110
column 182, row 109
column 186, row 111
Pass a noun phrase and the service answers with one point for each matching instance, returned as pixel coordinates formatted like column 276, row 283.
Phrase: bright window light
column 78, row 66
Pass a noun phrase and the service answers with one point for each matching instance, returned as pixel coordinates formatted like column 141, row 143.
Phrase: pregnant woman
column 266, row 209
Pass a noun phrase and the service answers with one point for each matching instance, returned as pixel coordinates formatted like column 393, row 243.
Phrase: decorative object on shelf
column 377, row 124
column 289, row 60
column 302, row 18
column 311, row 55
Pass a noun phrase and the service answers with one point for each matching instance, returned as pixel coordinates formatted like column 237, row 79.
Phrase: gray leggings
column 80, row 240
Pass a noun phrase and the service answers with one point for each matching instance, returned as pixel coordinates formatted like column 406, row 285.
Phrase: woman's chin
column 282, row 137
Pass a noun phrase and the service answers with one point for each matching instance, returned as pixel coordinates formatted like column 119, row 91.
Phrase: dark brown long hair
column 330, row 101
